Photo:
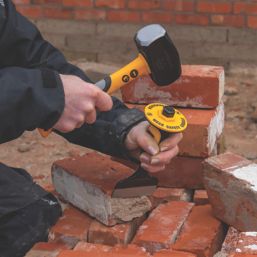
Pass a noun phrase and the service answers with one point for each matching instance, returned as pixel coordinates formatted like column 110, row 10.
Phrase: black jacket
column 31, row 96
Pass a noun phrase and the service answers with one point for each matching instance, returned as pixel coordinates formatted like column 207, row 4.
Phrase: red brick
column 115, row 4
column 90, row 14
column 202, row 133
column 144, row 4
column 157, row 16
column 72, row 3
column 21, row 2
column 252, row 22
column 192, row 19
column 199, row 86
column 201, row 234
column 228, row 20
column 160, row 230
column 162, row 195
column 93, row 177
column 30, row 11
column 72, row 226
column 90, row 250
column 231, row 185
column 242, row 255
column 185, row 5
column 172, row 253
column 200, row 197
column 88, row 247
column 118, row 234
column 123, row 16
column 242, row 7
column 46, row 250
column 214, row 7
column 60, row 13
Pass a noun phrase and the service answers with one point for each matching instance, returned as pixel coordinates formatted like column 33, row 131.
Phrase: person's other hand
column 142, row 146
column 81, row 101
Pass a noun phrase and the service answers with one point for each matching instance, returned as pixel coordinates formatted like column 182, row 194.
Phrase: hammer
column 157, row 56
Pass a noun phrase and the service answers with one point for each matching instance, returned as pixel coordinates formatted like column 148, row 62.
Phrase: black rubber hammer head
column 162, row 57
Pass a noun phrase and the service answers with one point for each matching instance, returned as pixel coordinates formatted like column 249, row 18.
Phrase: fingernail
column 144, row 166
column 155, row 161
column 144, row 158
column 164, row 148
column 152, row 150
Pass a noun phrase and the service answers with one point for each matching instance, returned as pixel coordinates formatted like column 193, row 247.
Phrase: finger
column 145, row 158
column 90, row 117
column 146, row 142
column 103, row 101
column 152, row 168
column 171, row 142
column 164, row 157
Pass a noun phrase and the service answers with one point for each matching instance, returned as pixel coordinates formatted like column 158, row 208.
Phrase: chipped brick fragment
column 200, row 197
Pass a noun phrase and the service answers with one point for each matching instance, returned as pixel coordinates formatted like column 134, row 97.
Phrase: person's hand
column 153, row 157
column 81, row 101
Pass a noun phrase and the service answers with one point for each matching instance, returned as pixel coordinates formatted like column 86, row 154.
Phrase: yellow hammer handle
column 118, row 79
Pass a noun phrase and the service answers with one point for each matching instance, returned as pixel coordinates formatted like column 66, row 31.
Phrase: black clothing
column 32, row 96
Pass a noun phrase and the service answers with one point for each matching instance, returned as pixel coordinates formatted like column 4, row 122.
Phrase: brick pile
column 177, row 220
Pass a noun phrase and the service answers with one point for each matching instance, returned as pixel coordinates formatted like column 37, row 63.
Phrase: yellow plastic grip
column 131, row 71
column 44, row 133
column 155, row 132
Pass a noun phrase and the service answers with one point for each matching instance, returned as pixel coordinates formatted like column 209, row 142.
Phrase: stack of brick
column 198, row 95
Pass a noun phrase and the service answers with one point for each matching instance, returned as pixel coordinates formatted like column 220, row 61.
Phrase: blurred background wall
column 205, row 31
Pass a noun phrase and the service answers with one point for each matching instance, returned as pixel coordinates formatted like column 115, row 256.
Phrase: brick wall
column 205, row 31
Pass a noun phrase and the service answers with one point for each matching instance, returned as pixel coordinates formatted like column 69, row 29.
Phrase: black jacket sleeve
column 32, row 92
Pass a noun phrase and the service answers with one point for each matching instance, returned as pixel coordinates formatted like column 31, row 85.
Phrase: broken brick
column 230, row 242
column 230, row 181
column 201, row 135
column 118, row 234
column 200, row 197
column 161, row 228
column 89, row 247
column 200, row 86
column 88, row 182
column 71, row 227
column 202, row 234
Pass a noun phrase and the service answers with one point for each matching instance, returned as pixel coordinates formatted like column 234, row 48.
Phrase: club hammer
column 157, row 56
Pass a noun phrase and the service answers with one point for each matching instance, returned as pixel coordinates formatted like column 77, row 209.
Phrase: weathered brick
column 214, row 7
column 88, row 182
column 157, row 16
column 228, row 20
column 203, row 130
column 230, row 181
column 172, row 253
column 229, row 244
column 199, row 86
column 118, row 234
column 46, row 249
column 192, row 19
column 186, row 6
column 71, row 227
column 162, row 227
column 84, row 3
column 115, row 4
column 123, row 16
column 89, row 250
column 200, row 197
column 163, row 194
column 201, row 234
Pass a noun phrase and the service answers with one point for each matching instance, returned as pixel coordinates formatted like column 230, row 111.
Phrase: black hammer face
column 155, row 45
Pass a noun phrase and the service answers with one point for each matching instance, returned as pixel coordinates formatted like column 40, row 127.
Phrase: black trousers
column 21, row 229
column 29, row 223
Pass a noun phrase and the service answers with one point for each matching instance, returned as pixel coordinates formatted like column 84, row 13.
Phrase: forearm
column 108, row 133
